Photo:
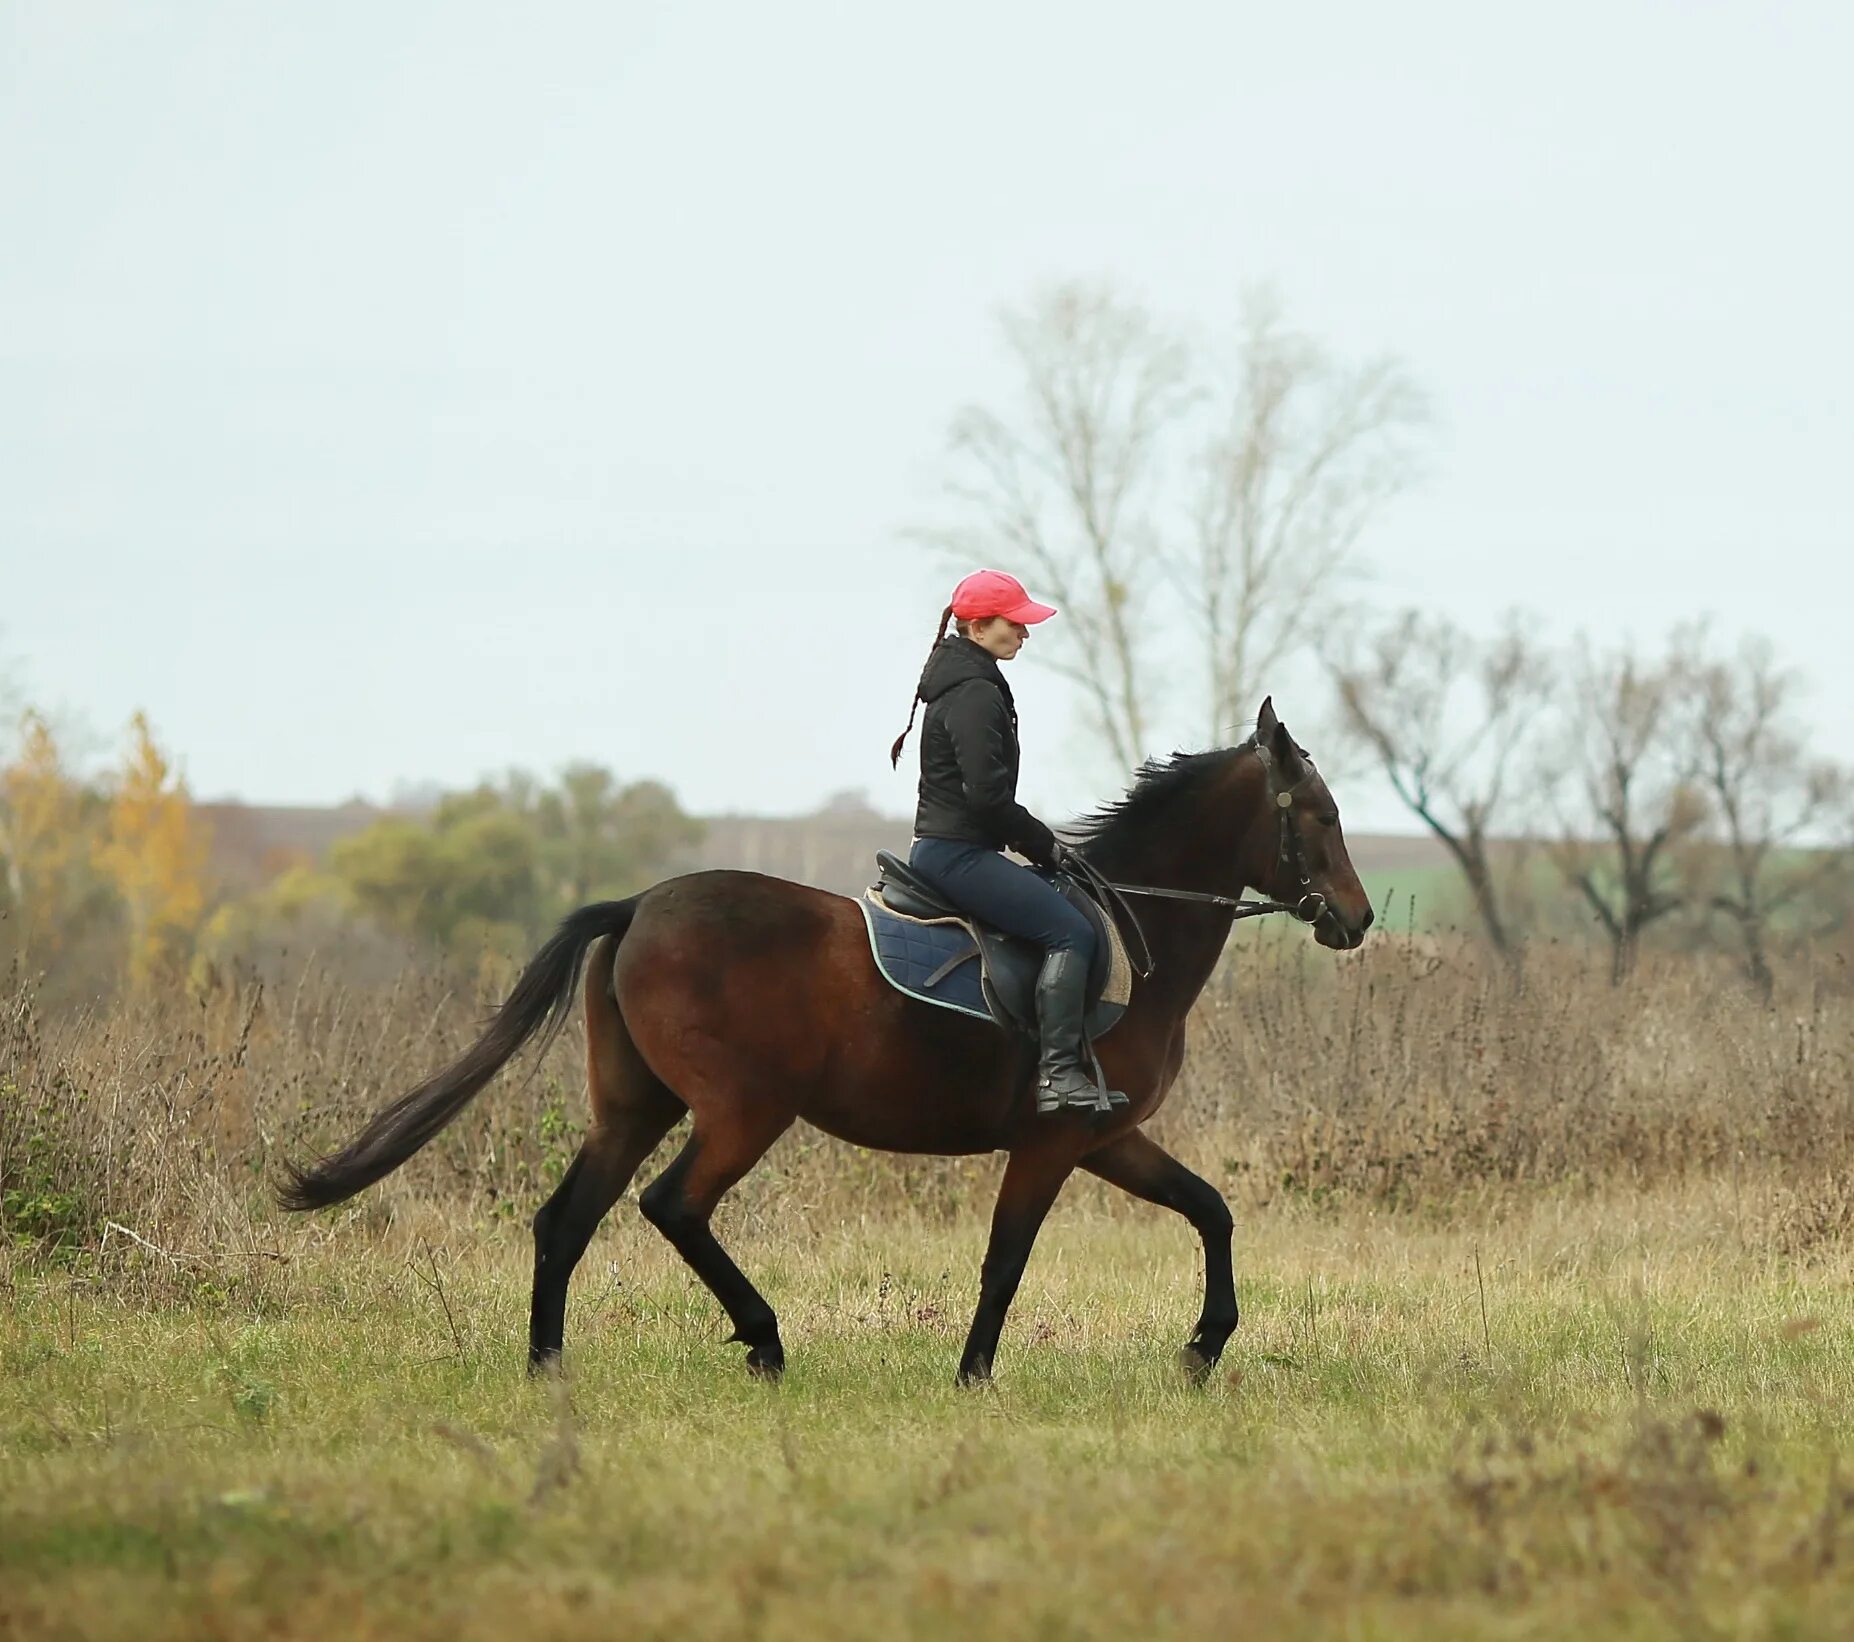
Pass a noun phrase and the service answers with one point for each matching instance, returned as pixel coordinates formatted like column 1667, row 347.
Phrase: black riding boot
column 1061, row 1001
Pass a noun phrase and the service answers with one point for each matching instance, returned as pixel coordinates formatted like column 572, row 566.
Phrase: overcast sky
column 406, row 391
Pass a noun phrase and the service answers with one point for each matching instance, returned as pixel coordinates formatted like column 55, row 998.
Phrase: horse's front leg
column 1032, row 1179
column 1144, row 1168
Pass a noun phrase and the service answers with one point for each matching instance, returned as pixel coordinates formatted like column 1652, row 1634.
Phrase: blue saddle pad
column 911, row 954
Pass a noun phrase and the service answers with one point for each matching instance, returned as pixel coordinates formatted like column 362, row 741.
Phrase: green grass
column 1638, row 1438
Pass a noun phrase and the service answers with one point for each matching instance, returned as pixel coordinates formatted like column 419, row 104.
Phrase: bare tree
column 1779, row 818
column 1449, row 719
column 1304, row 453
column 1631, row 802
column 1131, row 473
column 1070, row 486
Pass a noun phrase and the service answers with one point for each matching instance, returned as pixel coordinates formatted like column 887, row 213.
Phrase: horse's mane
column 1124, row 821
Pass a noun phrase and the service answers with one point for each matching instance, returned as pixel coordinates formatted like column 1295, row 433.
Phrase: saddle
column 929, row 949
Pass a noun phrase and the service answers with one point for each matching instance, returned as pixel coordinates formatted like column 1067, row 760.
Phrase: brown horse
column 746, row 1003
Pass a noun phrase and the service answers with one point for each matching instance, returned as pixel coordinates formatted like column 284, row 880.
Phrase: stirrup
column 1112, row 1099
column 1082, row 1095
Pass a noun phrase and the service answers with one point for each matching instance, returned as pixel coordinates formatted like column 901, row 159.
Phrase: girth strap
column 950, row 965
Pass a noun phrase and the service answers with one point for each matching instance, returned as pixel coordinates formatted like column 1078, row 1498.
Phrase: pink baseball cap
column 993, row 593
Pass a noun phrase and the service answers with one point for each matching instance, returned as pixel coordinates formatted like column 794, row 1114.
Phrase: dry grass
column 1546, row 1329
column 1410, row 1076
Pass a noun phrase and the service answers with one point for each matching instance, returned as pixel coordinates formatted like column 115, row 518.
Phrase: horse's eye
column 1329, row 820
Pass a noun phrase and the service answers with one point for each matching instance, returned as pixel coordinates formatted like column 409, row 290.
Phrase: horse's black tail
column 543, row 997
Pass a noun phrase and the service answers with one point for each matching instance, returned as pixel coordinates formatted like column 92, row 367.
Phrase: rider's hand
column 1040, row 848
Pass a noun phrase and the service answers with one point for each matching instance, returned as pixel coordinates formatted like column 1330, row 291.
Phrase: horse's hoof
column 766, row 1365
column 1195, row 1365
column 543, row 1365
column 975, row 1376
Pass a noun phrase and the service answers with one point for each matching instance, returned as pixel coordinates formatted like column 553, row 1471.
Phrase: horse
column 746, row 1003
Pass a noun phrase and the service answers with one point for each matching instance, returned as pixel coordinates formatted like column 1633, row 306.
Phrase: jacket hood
column 956, row 660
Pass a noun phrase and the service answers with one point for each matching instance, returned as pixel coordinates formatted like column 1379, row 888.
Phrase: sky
column 401, row 392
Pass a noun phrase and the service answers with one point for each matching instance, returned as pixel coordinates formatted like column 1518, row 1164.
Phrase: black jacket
column 969, row 755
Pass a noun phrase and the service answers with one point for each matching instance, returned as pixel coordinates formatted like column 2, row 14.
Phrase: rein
column 1240, row 907
column 1309, row 908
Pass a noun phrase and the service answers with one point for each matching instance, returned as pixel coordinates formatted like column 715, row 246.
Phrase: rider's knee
column 1074, row 934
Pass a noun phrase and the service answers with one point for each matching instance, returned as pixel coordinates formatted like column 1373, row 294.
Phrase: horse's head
column 1296, row 849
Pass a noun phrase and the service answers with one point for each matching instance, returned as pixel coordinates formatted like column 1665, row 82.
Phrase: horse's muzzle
column 1333, row 932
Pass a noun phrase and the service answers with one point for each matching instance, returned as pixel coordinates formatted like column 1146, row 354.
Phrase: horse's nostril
column 1367, row 921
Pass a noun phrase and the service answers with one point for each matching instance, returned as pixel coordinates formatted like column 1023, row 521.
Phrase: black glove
column 1041, row 849
column 1060, row 859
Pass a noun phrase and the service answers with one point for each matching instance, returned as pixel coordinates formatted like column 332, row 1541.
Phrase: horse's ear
column 1287, row 752
column 1271, row 733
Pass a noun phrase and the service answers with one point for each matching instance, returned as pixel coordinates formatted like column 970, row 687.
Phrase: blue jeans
column 1001, row 893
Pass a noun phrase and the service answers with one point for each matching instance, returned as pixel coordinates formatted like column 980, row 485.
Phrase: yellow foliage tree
column 42, row 835
column 154, row 852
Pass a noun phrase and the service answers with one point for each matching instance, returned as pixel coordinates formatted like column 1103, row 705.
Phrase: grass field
column 1597, row 1415
column 1547, row 1331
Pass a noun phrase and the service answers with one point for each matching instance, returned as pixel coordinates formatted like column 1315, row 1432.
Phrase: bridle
column 1309, row 906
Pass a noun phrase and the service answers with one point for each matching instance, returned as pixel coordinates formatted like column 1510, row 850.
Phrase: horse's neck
column 1196, row 851
column 1186, row 942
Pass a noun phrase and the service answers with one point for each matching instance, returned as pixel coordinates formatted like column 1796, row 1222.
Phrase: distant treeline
column 108, row 881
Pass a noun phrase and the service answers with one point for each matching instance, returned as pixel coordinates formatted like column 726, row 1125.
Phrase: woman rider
column 968, row 813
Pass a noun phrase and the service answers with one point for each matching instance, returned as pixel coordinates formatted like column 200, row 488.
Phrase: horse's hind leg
column 680, row 1201
column 631, row 1112
column 594, row 1181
